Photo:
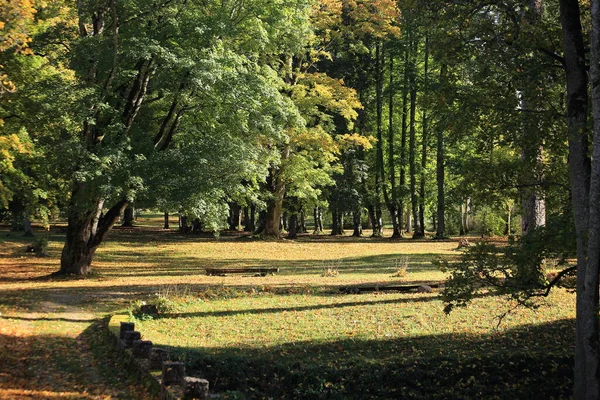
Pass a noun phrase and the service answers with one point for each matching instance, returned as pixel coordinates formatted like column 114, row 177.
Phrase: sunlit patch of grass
column 294, row 334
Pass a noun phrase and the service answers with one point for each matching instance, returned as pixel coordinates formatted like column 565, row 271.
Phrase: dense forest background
column 435, row 117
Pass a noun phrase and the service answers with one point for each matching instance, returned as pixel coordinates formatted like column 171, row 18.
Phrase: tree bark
column 293, row 226
column 586, row 355
column 337, row 221
column 86, row 229
column 166, row 219
column 412, row 149
column 318, row 220
column 128, row 216
column 440, row 173
column 424, row 139
column 357, row 223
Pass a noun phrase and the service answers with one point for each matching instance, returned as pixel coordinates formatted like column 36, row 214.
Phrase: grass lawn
column 290, row 335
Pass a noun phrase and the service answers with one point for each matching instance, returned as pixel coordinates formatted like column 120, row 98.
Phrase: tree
column 146, row 67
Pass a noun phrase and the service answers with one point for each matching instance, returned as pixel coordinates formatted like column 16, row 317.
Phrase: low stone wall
column 164, row 378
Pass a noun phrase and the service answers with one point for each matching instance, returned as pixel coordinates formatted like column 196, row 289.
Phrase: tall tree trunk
column 395, row 213
column 587, row 382
column 412, row 148
column 404, row 132
column 379, row 169
column 166, row 219
column 440, row 173
column 591, row 295
column 532, row 199
column 424, row 139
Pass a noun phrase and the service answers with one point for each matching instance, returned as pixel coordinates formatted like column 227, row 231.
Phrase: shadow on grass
column 529, row 362
column 275, row 310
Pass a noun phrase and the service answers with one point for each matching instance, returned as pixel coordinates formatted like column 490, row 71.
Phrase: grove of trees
column 429, row 116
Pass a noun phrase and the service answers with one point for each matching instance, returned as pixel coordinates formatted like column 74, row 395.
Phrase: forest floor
column 51, row 344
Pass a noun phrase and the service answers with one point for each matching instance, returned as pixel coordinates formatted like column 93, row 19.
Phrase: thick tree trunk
column 587, row 382
column 166, row 218
column 235, row 216
column 276, row 188
column 293, row 226
column 590, row 297
column 128, row 216
column 337, row 222
column 85, row 232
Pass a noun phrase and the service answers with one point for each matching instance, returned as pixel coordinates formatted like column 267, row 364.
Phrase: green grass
column 294, row 334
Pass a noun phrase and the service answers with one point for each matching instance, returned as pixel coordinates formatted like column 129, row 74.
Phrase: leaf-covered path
column 51, row 344
column 59, row 351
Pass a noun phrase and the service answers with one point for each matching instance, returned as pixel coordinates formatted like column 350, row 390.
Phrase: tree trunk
column 405, row 108
column 250, row 218
column 586, row 355
column 293, row 226
column 235, row 216
column 318, row 221
column 85, row 232
column 424, row 139
column 302, row 222
column 440, row 173
column 166, row 218
column 128, row 216
column 276, row 188
column 412, row 149
column 357, row 223
column 590, row 296
column 532, row 199
column 337, row 220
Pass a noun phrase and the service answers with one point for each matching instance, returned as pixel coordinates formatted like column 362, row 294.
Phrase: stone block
column 141, row 348
column 130, row 337
column 195, row 388
column 126, row 327
column 157, row 356
column 173, row 372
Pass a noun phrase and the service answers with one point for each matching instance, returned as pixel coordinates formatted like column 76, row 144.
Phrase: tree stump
column 130, row 337
column 141, row 348
column 173, row 372
column 195, row 388
column 157, row 356
column 126, row 327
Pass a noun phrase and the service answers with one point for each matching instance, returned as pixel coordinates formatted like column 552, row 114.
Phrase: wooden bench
column 231, row 271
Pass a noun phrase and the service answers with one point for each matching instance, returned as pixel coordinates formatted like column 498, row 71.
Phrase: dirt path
column 51, row 347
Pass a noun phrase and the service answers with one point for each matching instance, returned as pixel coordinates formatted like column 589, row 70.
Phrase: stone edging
column 178, row 385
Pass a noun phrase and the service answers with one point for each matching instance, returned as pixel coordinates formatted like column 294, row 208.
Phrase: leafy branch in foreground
column 518, row 270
